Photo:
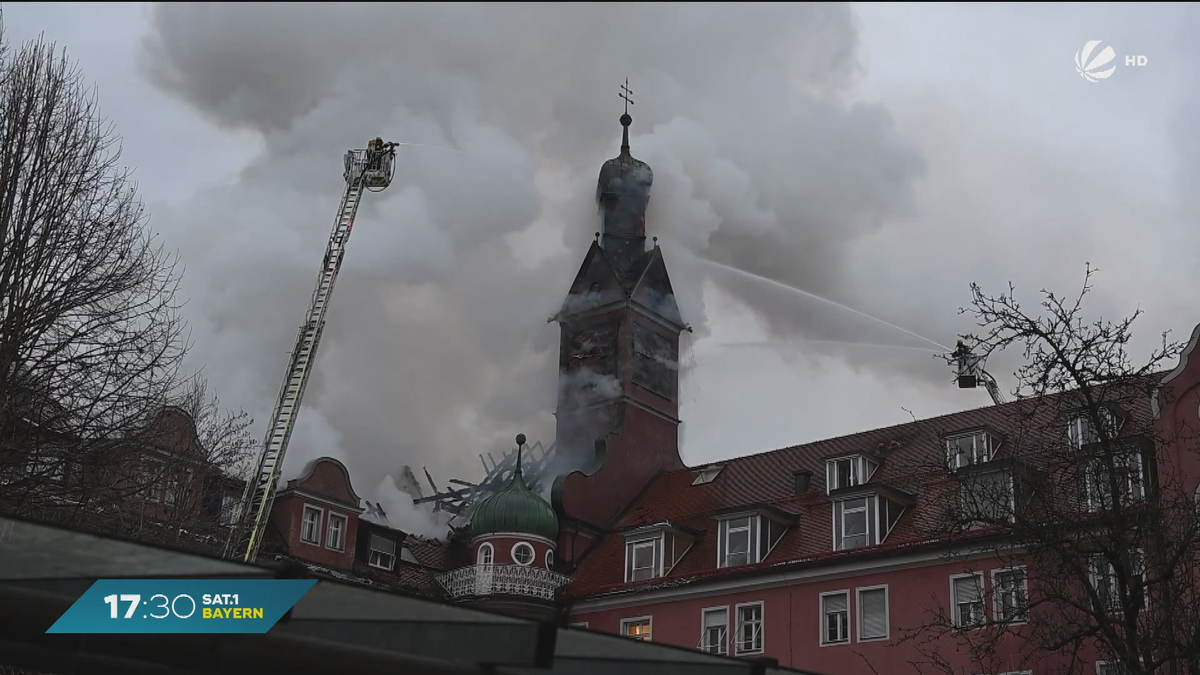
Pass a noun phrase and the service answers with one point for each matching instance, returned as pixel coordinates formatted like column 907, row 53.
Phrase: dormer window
column 747, row 539
column 643, row 559
column 652, row 552
column 864, row 520
column 1082, row 431
column 987, row 497
column 848, row 471
column 708, row 474
column 970, row 449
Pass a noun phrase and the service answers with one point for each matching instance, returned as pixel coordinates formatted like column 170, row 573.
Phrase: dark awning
column 334, row 628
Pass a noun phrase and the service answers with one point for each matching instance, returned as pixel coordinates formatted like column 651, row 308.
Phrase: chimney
column 802, row 478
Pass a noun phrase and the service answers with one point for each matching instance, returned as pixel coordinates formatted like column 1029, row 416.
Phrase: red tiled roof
column 431, row 553
column 911, row 455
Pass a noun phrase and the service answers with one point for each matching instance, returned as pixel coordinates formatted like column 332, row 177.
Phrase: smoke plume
column 437, row 346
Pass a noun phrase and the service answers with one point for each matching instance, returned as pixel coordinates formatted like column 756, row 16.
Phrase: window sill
column 836, row 644
column 874, row 639
column 310, row 543
column 335, row 550
column 753, row 653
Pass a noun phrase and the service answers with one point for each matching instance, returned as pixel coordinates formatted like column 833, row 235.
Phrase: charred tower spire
column 618, row 361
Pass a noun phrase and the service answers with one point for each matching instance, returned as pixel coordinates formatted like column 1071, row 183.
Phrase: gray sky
column 881, row 155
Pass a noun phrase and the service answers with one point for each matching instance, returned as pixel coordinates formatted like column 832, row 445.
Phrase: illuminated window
column 638, row 628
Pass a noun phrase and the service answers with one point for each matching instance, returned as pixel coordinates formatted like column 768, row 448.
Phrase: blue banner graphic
column 182, row 606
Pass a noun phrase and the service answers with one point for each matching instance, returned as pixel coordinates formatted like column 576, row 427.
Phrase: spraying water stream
column 782, row 286
column 846, row 343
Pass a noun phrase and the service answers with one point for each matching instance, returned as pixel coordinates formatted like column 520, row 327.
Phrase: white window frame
column 753, row 523
column 997, row 612
column 341, row 545
column 872, row 519
column 1094, row 579
column 887, row 613
column 512, row 553
column 723, row 647
column 319, row 529
column 824, row 641
column 954, row 458
column 655, row 544
column 485, row 547
column 1075, row 427
column 983, row 601
column 371, row 550
column 1094, row 484
column 862, row 469
column 633, row 620
column 549, row 559
column 762, row 628
column 708, row 474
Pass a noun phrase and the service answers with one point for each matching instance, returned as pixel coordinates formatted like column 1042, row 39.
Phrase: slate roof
column 911, row 458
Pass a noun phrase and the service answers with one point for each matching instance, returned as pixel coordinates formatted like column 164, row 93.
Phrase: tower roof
column 515, row 508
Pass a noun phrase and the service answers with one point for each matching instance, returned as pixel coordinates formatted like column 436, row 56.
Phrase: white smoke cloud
column 437, row 347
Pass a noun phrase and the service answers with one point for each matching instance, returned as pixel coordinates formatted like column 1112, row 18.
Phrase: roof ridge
column 877, row 430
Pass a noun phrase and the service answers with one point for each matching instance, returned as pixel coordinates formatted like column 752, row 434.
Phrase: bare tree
column 91, row 340
column 1084, row 499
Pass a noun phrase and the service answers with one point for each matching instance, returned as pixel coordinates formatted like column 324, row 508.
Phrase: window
column 707, row 475
column 835, row 618
column 872, row 614
column 852, row 523
column 382, row 552
column 987, row 497
column 968, row 449
column 638, row 629
column 863, row 521
column 229, row 510
column 522, row 553
column 714, row 631
column 736, row 539
column 1111, row 668
column 642, row 559
column 310, row 528
column 1011, row 593
column 966, row 596
column 848, row 471
column 486, row 555
column 749, row 629
column 336, row 539
column 1106, row 583
column 549, row 560
column 1081, row 431
column 1127, row 467
column 746, row 540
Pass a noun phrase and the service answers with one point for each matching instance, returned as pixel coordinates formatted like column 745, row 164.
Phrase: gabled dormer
column 652, row 551
column 864, row 515
column 748, row 536
column 849, row 470
column 970, row 447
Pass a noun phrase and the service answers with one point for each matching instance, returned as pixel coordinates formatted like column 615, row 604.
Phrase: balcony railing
column 488, row 580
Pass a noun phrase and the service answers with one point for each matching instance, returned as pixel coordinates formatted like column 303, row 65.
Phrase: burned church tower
column 618, row 396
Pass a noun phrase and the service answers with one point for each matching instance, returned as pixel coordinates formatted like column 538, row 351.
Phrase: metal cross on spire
column 626, row 94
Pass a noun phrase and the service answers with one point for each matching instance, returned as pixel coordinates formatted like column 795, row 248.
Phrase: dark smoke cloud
column 437, row 346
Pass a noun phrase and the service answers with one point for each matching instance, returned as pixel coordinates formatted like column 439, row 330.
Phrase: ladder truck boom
column 367, row 170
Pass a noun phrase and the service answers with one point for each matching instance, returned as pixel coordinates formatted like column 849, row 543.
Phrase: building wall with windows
column 848, row 621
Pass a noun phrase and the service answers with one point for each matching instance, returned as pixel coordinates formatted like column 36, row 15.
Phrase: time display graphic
column 182, row 606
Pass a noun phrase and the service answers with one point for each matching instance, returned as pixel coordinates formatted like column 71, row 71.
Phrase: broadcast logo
column 1093, row 67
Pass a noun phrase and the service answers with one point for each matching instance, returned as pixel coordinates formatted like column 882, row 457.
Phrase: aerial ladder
column 367, row 170
column 970, row 373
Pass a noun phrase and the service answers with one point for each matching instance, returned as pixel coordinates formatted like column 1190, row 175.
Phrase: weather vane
column 626, row 94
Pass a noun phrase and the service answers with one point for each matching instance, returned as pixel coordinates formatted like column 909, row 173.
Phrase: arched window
column 522, row 553
column 485, row 555
column 549, row 560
